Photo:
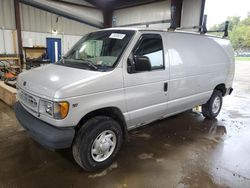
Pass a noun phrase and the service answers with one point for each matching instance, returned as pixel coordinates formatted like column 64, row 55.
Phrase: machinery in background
column 10, row 67
column 8, row 73
column 35, row 57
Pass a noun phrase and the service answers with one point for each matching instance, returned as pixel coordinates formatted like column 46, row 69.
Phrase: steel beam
column 203, row 2
column 145, row 23
column 176, row 10
column 18, row 28
column 46, row 7
column 107, row 17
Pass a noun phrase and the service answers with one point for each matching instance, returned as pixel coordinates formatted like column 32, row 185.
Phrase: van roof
column 135, row 29
column 162, row 30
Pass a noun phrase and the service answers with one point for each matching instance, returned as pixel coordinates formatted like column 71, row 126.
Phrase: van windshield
column 98, row 50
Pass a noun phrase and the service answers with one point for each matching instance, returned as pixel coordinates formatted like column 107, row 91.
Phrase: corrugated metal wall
column 36, row 26
column 92, row 16
column 145, row 13
column 39, row 39
column 7, row 16
column 191, row 11
column 36, row 20
column 7, row 42
column 33, row 39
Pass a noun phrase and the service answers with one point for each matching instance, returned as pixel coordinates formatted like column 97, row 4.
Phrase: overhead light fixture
column 54, row 31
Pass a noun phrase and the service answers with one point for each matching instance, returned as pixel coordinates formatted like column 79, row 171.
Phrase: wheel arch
column 112, row 112
column 222, row 88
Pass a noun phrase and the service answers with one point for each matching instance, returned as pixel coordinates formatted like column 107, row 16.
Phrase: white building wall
column 7, row 42
column 7, row 14
column 152, row 12
column 39, row 39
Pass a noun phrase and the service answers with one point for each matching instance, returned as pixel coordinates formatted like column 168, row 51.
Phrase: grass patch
column 242, row 58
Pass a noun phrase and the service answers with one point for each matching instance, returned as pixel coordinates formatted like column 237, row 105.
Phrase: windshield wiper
column 90, row 64
column 85, row 62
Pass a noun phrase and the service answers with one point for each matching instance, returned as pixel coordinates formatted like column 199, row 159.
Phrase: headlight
column 57, row 110
column 46, row 107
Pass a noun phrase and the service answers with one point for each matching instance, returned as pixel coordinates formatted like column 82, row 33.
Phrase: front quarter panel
column 106, row 91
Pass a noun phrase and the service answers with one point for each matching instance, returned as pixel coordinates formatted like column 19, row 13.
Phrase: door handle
column 165, row 87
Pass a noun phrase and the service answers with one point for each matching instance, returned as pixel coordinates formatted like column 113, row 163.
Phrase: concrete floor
column 181, row 151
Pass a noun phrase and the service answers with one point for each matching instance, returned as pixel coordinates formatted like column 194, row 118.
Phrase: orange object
column 9, row 75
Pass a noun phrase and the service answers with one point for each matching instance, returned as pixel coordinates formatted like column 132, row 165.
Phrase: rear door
column 147, row 91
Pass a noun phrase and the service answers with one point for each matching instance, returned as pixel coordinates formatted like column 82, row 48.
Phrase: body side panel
column 197, row 65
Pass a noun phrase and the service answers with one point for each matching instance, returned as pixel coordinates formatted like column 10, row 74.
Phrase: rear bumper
column 44, row 133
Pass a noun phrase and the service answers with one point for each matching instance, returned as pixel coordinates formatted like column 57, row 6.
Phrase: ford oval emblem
column 24, row 83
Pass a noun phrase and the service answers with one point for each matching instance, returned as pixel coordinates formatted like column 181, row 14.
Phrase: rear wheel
column 212, row 108
column 97, row 143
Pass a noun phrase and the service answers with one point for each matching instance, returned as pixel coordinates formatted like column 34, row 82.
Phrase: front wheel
column 97, row 143
column 212, row 108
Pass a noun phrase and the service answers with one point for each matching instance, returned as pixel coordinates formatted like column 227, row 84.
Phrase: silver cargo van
column 115, row 80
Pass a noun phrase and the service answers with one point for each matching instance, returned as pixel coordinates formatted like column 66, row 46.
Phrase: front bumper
column 44, row 133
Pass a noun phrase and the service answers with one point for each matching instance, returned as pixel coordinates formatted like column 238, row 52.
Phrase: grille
column 28, row 99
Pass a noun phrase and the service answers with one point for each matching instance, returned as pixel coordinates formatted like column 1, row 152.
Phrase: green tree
column 240, row 37
column 239, row 31
column 233, row 22
column 247, row 20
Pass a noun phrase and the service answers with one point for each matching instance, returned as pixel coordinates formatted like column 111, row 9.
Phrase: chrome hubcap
column 216, row 105
column 103, row 146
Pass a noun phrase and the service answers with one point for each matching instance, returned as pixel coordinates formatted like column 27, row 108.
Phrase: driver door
column 146, row 91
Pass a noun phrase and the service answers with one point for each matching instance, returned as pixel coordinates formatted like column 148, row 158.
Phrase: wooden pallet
column 7, row 94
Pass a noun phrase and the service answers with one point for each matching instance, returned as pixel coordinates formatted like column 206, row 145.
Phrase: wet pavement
column 182, row 151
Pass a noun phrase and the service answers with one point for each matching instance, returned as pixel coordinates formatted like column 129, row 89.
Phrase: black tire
column 207, row 109
column 85, row 138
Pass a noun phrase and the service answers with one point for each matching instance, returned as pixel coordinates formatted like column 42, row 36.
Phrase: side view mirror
column 139, row 64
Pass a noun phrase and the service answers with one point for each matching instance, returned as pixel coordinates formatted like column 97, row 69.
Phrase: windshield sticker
column 117, row 36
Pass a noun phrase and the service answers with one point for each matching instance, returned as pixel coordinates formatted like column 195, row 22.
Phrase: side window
column 151, row 46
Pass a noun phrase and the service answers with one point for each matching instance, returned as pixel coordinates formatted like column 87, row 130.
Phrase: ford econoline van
column 115, row 80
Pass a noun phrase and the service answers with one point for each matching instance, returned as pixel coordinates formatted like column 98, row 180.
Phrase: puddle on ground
column 160, row 160
column 167, row 145
column 142, row 135
column 144, row 156
column 104, row 172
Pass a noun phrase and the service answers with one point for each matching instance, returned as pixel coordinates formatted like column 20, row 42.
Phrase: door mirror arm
column 138, row 64
column 131, row 64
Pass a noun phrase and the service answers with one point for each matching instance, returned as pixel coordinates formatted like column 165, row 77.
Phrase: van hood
column 46, row 80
